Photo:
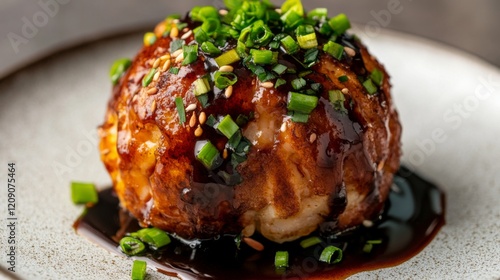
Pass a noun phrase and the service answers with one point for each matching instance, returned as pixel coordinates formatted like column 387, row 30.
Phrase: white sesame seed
column 187, row 34
column 153, row 106
column 312, row 138
column 156, row 63
column 152, row 91
column 349, row 51
column 165, row 57
column 253, row 243
column 345, row 90
column 198, row 132
column 166, row 65
column 174, row 32
column 224, row 154
column 180, row 58
column 267, row 85
column 156, row 76
column 226, row 68
column 192, row 121
column 229, row 91
column 367, row 223
column 223, row 12
column 202, row 118
column 283, row 127
column 191, row 107
column 177, row 53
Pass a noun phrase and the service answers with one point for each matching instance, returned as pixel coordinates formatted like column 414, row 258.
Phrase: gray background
column 469, row 25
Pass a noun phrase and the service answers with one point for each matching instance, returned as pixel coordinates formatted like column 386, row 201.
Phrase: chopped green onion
column 212, row 121
column 230, row 179
column 155, row 237
column 227, row 58
column 310, row 57
column 118, row 69
column 370, row 87
column 377, row 76
column 203, row 99
column 298, row 83
column 149, row 39
column 203, row 13
column 237, row 239
column 233, row 142
column 176, row 45
column 149, row 77
column 316, row 87
column 210, row 25
column 337, row 99
column 279, row 82
column 311, row 241
column 301, row 103
column 290, row 45
column 368, row 247
column 293, row 5
column 201, row 86
column 83, row 193
column 139, row 270
column 339, row 24
column 131, row 246
column 174, row 70
column 292, row 20
column 300, row 117
column 334, row 49
column 190, row 54
column 180, row 109
column 242, row 120
column 328, row 252
column 318, row 14
column 260, row 35
column 264, row 57
column 208, row 155
column 305, row 73
column 343, row 79
column 200, row 35
column 210, row 49
column 306, row 36
column 243, row 146
column 224, row 79
column 236, row 159
column 281, row 259
column 227, row 126
column 279, row 69
column 325, row 29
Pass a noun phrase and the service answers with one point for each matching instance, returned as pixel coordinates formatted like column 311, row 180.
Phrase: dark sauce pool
column 413, row 215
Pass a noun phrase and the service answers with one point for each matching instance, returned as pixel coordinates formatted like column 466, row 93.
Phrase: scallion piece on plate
column 131, row 246
column 210, row 25
column 339, row 24
column 118, row 69
column 264, row 57
column 224, row 79
column 298, row 83
column 311, row 241
column 180, row 109
column 279, row 82
column 156, row 238
column 317, row 14
column 337, row 99
column 343, row 79
column 331, row 255
column 176, row 45
column 83, row 193
column 370, row 87
column 201, row 86
column 227, row 126
column 334, row 49
column 301, row 103
column 190, row 54
column 210, row 49
column 200, row 35
column 299, row 117
column 368, row 247
column 227, row 58
column 149, row 39
column 208, row 155
column 139, row 270
column 174, row 70
column 260, row 34
column 306, row 36
column 281, row 259
column 290, row 45
column 149, row 77
column 279, row 69
column 377, row 76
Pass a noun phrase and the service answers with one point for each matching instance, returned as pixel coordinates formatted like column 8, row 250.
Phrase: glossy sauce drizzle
column 413, row 215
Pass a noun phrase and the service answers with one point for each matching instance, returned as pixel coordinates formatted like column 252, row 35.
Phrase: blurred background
column 33, row 29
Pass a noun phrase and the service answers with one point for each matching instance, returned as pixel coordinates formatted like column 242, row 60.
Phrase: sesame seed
column 283, row 127
column 176, row 21
column 187, row 34
column 180, row 58
column 223, row 12
column 367, row 223
column 345, row 90
column 253, row 243
column 156, row 63
column 198, row 132
column 165, row 57
column 267, row 85
column 152, row 91
column 153, row 106
column 312, row 138
column 380, row 165
column 226, row 68
column 229, row 91
column 349, row 51
column 192, row 121
column 224, row 154
column 166, row 65
column 191, row 107
column 177, row 53
column 202, row 118
column 156, row 76
column 174, row 32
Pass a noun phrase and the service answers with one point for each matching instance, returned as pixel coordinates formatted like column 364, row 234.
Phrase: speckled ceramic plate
column 449, row 103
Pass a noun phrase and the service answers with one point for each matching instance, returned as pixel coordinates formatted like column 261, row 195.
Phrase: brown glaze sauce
column 413, row 215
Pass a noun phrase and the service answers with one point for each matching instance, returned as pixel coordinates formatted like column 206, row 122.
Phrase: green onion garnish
column 210, row 25
column 290, row 45
column 149, row 39
column 227, row 126
column 279, row 69
column 180, row 109
column 334, row 49
column 337, row 99
column 230, row 179
column 208, row 155
column 174, row 70
column 328, row 252
column 299, row 117
column 149, row 77
column 301, row 103
column 292, row 19
column 201, row 86
column 298, row 83
column 118, row 69
column 131, row 246
column 260, row 34
column 200, row 35
column 233, row 142
column 318, row 14
column 311, row 241
column 306, row 36
column 224, row 79
column 377, row 76
column 176, row 45
column 210, row 49
column 212, row 121
column 370, row 87
column 310, row 57
column 279, row 82
column 343, row 79
column 227, row 58
column 83, row 193
column 339, row 24
column 203, row 13
column 190, row 54
column 155, row 237
column 139, row 270
column 264, row 57
column 368, row 247
column 281, row 259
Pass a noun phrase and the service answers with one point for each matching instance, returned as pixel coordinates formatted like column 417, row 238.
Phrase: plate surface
column 448, row 102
